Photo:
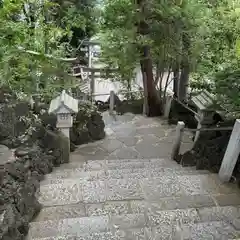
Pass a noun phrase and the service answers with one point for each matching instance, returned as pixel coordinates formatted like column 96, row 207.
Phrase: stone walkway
column 125, row 187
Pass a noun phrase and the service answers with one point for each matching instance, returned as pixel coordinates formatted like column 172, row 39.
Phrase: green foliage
column 118, row 37
column 79, row 17
column 22, row 30
column 205, row 35
column 39, row 26
column 227, row 84
column 167, row 22
column 219, row 39
column 218, row 59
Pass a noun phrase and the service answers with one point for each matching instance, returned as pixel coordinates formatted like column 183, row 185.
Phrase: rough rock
column 10, row 222
column 39, row 106
column 20, row 174
column 48, row 120
column 14, row 121
column 126, row 106
column 56, row 143
column 101, row 106
column 6, row 94
column 187, row 159
column 38, row 147
column 180, row 113
column 17, row 194
column 72, row 147
column 88, row 125
column 116, row 100
column 132, row 106
column 96, row 126
column 7, row 118
column 22, row 109
column 209, row 150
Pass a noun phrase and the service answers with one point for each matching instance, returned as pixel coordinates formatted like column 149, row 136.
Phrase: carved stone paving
column 125, row 187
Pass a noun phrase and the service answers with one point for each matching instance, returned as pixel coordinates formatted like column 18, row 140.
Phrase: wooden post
column 231, row 154
column 177, row 144
column 111, row 102
column 167, row 107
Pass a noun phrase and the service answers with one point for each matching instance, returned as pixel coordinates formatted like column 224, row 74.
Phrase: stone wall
column 29, row 149
column 20, row 173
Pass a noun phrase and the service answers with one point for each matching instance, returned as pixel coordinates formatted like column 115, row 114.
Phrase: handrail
column 231, row 153
column 180, row 128
column 209, row 129
column 99, row 94
column 119, row 92
column 184, row 105
column 92, row 69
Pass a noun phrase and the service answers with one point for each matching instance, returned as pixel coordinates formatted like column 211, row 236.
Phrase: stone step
column 208, row 208
column 154, row 188
column 119, row 164
column 202, row 231
column 217, row 230
column 228, row 214
column 187, row 223
column 69, row 226
column 137, row 173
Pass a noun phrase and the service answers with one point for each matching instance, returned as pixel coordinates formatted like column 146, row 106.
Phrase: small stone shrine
column 204, row 102
column 64, row 106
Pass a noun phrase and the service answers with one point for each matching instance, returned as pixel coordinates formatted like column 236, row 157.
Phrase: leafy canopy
column 31, row 44
column 212, row 29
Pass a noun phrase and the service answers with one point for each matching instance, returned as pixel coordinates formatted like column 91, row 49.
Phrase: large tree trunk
column 154, row 106
column 183, row 86
column 153, row 101
column 185, row 69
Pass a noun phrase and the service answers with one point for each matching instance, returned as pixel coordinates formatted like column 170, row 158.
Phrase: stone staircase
column 125, row 187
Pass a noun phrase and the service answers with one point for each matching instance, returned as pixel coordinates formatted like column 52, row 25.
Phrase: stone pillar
column 177, row 143
column 64, row 106
column 231, row 154
column 111, row 102
column 167, row 106
column 65, row 132
column 64, row 123
column 198, row 132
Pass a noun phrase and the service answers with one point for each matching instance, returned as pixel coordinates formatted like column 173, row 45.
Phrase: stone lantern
column 64, row 106
column 204, row 104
